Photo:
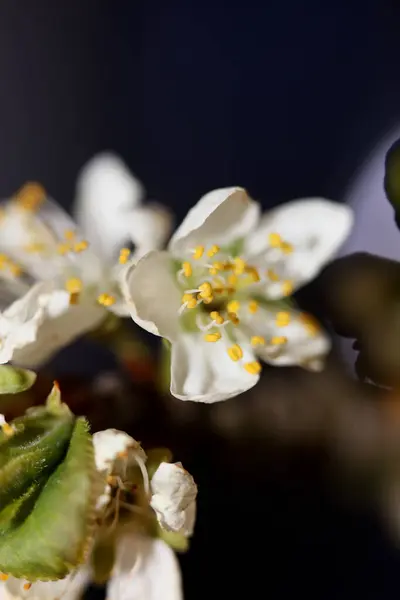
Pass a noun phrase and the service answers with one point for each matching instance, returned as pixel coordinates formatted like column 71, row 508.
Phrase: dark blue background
column 283, row 97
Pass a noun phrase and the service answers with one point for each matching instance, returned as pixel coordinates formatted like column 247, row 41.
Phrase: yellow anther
column 254, row 274
column 286, row 248
column 15, row 269
column 278, row 340
column 34, row 248
column 189, row 300
column 233, row 306
column 81, row 246
column 207, row 299
column 275, row 240
column 198, row 252
column 253, row 306
column 31, row 196
column 106, row 299
column 214, row 314
column 287, row 288
column 218, row 290
column 8, row 430
column 212, row 337
column 206, row 289
column 74, row 285
column 253, row 367
column 63, row 248
column 272, row 275
column 232, row 280
column 240, row 265
column 213, row 250
column 74, row 298
column 233, row 318
column 257, row 340
column 216, row 266
column 282, row 319
column 69, row 234
column 187, row 269
column 124, row 254
column 27, row 586
column 3, row 577
column 310, row 324
column 235, row 352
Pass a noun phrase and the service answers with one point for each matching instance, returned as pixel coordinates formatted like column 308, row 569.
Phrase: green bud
column 48, row 490
column 14, row 380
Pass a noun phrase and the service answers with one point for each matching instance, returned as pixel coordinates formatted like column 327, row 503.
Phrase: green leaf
column 14, row 380
column 46, row 531
column 392, row 178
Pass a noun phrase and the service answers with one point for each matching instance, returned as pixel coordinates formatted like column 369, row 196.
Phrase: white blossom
column 58, row 279
column 220, row 294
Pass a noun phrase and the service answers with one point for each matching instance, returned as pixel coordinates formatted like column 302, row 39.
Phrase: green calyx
column 14, row 380
column 48, row 490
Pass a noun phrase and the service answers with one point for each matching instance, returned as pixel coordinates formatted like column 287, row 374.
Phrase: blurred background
column 288, row 100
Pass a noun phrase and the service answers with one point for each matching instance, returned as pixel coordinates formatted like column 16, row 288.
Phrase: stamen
column 189, row 300
column 253, row 306
column 63, row 248
column 279, row 340
column 7, row 429
column 275, row 240
column 212, row 337
column 282, row 319
column 257, row 340
column 287, row 288
column 217, row 317
column 187, row 269
column 213, row 250
column 286, row 248
column 27, row 586
column 69, row 234
column 81, row 246
column 74, row 285
column 34, row 248
column 206, row 300
column 233, row 306
column 106, row 300
column 254, row 274
column 235, row 352
column 233, row 318
column 15, row 269
column 31, row 196
column 4, row 577
column 198, row 252
column 240, row 265
column 232, row 280
column 253, row 368
column 272, row 275
column 124, row 256
column 216, row 266
column 74, row 299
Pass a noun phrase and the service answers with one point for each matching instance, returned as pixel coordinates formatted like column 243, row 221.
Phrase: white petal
column 114, row 450
column 315, row 227
column 152, row 294
column 106, row 193
column 220, row 217
column 148, row 228
column 203, row 372
column 306, row 343
column 174, row 498
column 145, row 569
column 69, row 588
column 55, row 324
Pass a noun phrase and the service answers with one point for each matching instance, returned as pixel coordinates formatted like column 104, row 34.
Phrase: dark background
column 283, row 97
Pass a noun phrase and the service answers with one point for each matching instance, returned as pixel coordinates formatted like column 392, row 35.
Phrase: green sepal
column 14, row 380
column 176, row 541
column 47, row 530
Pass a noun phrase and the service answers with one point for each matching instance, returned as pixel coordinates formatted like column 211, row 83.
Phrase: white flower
column 58, row 280
column 214, row 294
column 174, row 498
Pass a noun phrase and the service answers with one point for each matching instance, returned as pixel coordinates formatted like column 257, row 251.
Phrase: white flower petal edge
column 203, row 372
column 174, row 498
column 145, row 569
column 106, row 191
column 221, row 216
column 312, row 231
column 69, row 588
column 114, row 450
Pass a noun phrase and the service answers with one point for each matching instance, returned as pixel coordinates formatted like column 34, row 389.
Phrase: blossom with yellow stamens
column 239, row 299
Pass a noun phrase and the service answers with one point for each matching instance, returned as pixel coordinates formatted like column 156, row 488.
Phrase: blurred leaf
column 356, row 288
column 392, row 178
column 14, row 380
